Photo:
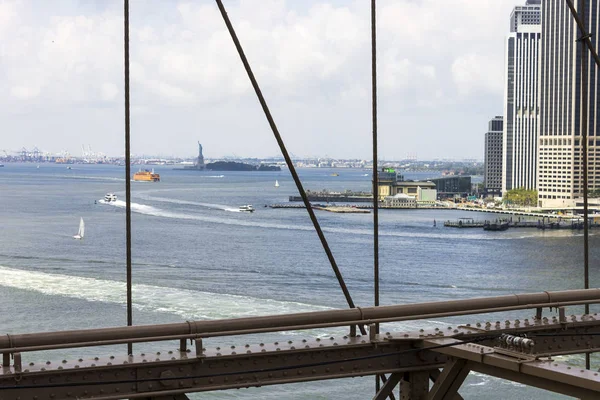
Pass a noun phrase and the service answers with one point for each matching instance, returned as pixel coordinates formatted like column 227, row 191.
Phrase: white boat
column 276, row 183
column 247, row 208
column 110, row 197
column 81, row 231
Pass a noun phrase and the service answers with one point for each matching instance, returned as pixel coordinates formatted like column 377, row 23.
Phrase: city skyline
column 438, row 81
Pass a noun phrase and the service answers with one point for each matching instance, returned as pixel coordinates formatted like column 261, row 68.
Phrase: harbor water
column 196, row 256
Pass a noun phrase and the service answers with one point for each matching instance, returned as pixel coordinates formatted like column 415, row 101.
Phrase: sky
column 440, row 77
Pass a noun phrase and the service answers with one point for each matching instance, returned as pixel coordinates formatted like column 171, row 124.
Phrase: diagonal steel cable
column 584, row 38
column 286, row 156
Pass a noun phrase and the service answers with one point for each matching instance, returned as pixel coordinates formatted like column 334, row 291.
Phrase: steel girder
column 411, row 357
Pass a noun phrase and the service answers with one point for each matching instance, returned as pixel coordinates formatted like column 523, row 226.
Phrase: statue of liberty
column 200, row 161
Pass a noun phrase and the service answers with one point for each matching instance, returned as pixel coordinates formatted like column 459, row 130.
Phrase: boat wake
column 157, row 212
column 186, row 303
column 189, row 304
column 94, row 178
column 187, row 202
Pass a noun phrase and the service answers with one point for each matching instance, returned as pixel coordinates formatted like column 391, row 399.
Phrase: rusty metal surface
column 217, row 368
column 234, row 366
column 543, row 373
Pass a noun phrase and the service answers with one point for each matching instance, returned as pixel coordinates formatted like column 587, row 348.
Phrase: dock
column 464, row 223
column 342, row 210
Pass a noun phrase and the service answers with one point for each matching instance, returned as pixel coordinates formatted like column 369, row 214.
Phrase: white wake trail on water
column 187, row 202
column 157, row 212
column 189, row 304
column 186, row 303
column 94, row 178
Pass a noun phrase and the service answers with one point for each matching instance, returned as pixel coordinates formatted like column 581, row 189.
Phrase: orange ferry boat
column 146, row 176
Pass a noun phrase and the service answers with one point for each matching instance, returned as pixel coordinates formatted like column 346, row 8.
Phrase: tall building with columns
column 521, row 98
column 559, row 147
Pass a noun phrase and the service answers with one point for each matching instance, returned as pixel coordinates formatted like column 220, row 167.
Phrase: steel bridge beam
column 274, row 323
column 524, row 368
column 414, row 356
column 447, row 384
column 388, row 387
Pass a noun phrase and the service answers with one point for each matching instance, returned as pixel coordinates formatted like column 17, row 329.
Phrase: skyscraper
column 560, row 179
column 521, row 98
column 492, row 180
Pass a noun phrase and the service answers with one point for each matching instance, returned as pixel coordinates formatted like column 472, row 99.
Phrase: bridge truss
column 426, row 364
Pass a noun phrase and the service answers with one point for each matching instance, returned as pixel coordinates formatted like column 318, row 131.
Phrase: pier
column 343, row 209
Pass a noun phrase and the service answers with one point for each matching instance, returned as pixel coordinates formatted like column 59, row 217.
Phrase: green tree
column 521, row 197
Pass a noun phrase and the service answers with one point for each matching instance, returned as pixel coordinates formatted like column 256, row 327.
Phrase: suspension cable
column 286, row 156
column 127, row 172
column 584, row 38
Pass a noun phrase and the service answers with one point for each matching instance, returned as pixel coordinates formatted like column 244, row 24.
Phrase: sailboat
column 81, row 231
column 276, row 183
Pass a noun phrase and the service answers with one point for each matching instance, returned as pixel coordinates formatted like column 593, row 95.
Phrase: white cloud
column 431, row 54
column 109, row 91
column 25, row 92
column 472, row 72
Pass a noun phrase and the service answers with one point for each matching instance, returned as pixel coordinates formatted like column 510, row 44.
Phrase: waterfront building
column 392, row 183
column 452, row 186
column 559, row 169
column 492, row 175
column 521, row 98
column 400, row 200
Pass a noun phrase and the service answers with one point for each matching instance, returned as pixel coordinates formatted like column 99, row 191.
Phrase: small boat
column 110, row 197
column 69, row 168
column 335, row 174
column 276, row 183
column 495, row 226
column 247, row 208
column 81, row 231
